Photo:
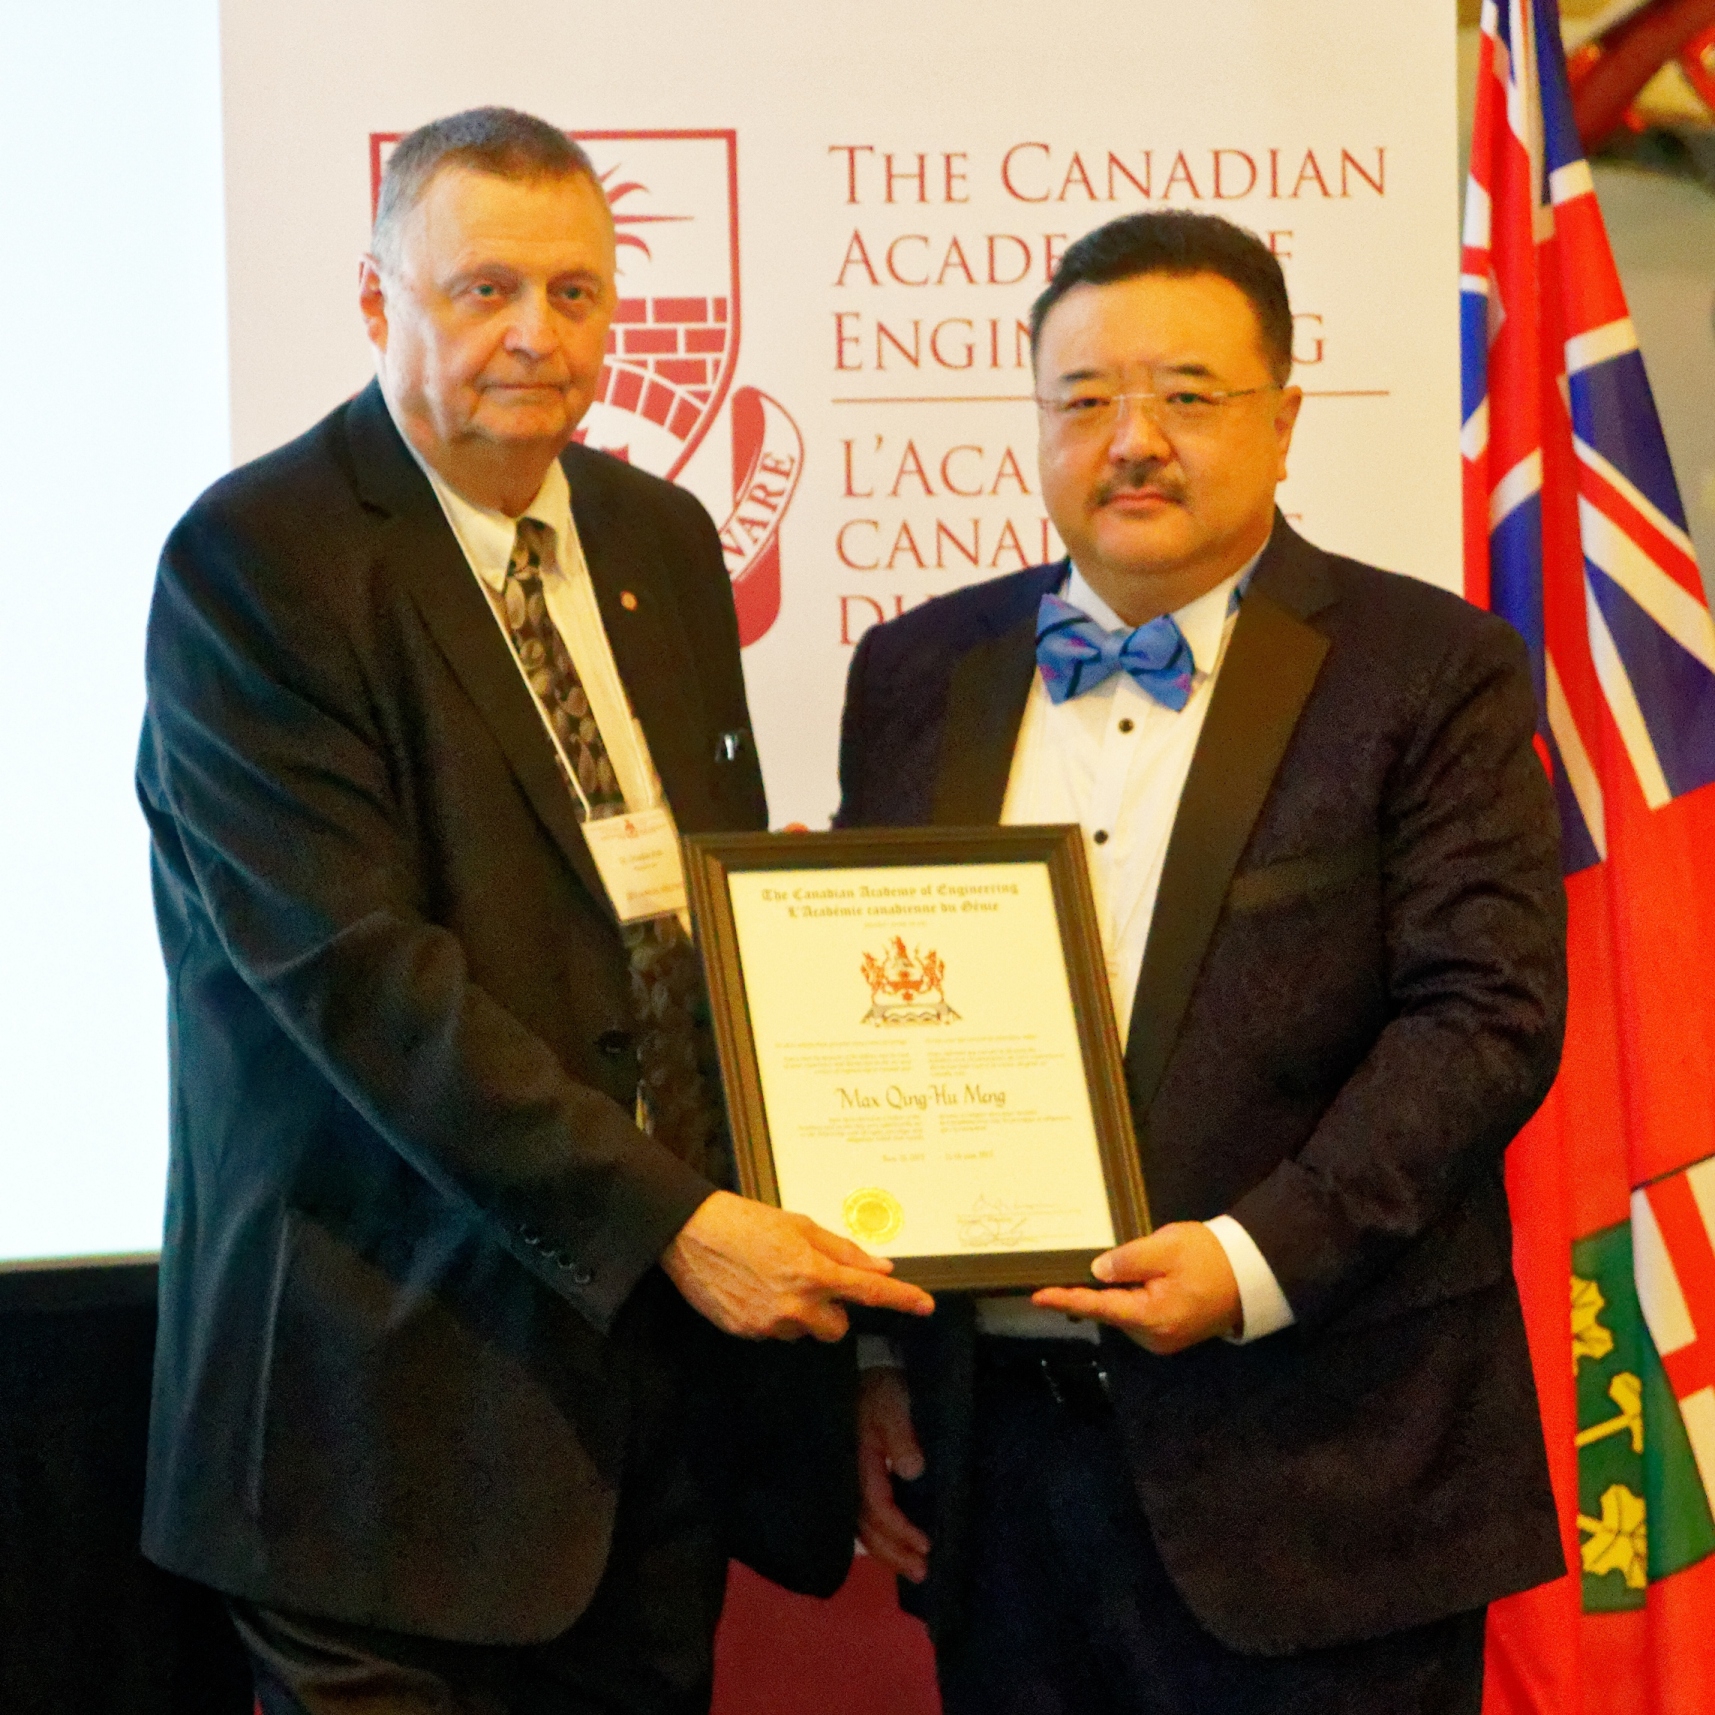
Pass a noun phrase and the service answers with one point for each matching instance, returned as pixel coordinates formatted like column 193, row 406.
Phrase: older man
column 1282, row 1452
column 428, row 1405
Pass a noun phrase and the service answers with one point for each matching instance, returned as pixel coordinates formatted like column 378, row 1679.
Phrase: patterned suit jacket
column 1352, row 998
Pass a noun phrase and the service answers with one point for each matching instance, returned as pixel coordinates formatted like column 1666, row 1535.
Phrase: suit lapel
column 418, row 543
column 1271, row 665
column 986, row 698
column 648, row 647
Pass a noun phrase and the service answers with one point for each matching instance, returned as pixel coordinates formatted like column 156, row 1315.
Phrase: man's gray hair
column 499, row 141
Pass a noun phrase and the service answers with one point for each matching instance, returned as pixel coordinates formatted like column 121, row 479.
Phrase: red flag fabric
column 1574, row 531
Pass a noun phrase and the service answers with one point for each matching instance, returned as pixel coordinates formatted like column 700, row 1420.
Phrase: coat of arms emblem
column 672, row 352
column 905, row 986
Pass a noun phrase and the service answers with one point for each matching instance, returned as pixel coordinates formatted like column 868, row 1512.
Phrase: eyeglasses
column 1090, row 413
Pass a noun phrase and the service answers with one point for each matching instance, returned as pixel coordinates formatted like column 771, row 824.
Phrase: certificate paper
column 915, row 1042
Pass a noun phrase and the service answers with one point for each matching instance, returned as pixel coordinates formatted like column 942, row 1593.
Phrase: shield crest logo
column 673, row 346
column 674, row 341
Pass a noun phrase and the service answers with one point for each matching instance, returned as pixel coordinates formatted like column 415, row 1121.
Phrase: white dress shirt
column 487, row 538
column 1115, row 761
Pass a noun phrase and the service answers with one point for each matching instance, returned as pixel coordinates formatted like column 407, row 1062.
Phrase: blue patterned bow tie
column 1076, row 654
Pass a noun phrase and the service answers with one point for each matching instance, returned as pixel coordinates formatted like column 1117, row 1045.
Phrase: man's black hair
column 1178, row 241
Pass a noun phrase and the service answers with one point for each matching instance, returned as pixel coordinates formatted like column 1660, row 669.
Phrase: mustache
column 1145, row 473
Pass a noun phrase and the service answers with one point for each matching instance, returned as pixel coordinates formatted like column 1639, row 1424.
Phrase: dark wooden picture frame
column 711, row 858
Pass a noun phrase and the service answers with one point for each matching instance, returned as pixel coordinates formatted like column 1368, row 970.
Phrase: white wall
column 113, row 364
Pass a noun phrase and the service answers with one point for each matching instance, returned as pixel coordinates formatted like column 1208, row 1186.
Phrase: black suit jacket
column 1351, row 999
column 408, row 1297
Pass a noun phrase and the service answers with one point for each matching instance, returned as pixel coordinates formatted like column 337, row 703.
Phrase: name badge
column 637, row 854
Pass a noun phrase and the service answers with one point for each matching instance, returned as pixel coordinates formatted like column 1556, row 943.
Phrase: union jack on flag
column 1575, row 533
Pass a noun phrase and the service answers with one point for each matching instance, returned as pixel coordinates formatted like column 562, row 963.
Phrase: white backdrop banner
column 832, row 220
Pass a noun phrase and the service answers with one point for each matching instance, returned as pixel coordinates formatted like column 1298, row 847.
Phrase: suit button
column 531, row 1237
column 1100, row 836
column 616, row 1044
column 580, row 1276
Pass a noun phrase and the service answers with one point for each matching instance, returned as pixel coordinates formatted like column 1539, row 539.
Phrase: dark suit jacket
column 1351, row 999
column 408, row 1301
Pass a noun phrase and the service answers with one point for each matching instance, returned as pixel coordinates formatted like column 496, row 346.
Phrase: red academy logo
column 673, row 347
column 905, row 986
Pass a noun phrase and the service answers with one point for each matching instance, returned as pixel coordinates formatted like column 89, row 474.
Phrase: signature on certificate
column 995, row 1224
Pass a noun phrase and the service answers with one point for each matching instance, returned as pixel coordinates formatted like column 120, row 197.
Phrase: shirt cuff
column 1262, row 1305
column 877, row 1352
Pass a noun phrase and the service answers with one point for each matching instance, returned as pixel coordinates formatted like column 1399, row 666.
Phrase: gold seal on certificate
column 873, row 1216
column 918, row 1045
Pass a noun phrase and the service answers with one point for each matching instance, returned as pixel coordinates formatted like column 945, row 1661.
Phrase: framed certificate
column 918, row 1045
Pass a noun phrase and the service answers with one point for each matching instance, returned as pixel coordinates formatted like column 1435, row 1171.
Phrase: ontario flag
column 1574, row 531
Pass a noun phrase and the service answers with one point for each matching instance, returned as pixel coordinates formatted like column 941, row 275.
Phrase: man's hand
column 762, row 1273
column 1185, row 1290
column 887, row 1443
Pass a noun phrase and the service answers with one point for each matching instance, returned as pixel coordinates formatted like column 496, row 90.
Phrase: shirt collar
column 487, row 536
column 1202, row 621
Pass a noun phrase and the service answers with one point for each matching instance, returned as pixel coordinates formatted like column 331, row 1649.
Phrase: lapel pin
column 628, row 601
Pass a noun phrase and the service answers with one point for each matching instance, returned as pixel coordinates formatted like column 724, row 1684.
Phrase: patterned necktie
column 674, row 1049
column 1076, row 654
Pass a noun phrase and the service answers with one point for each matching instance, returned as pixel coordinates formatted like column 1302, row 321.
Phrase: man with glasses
column 1283, row 1452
